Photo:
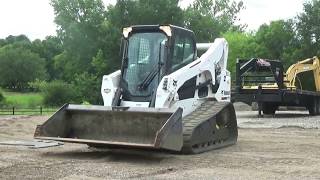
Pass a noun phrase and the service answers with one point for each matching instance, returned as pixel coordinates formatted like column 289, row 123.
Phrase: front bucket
column 115, row 127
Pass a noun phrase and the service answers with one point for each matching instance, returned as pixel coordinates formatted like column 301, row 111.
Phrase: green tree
column 17, row 39
column 18, row 66
column 279, row 40
column 86, row 36
column 242, row 46
column 2, row 42
column 1, row 97
column 90, row 34
column 87, row 87
column 130, row 12
column 55, row 93
column 48, row 49
column 134, row 12
column 210, row 18
column 64, row 65
column 308, row 26
column 99, row 63
column 80, row 24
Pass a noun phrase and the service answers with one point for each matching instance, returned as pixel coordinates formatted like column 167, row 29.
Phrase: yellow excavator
column 264, row 81
column 311, row 64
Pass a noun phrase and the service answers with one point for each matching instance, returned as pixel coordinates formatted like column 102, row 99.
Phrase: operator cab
column 150, row 52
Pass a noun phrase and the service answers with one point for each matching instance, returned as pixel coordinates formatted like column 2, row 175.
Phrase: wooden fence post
column 40, row 110
column 12, row 110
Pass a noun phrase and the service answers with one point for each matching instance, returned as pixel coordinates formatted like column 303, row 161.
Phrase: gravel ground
column 282, row 119
column 282, row 147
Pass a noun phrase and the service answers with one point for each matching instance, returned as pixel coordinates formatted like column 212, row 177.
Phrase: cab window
column 183, row 52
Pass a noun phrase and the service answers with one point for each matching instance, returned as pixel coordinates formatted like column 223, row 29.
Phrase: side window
column 188, row 53
column 183, row 52
column 177, row 51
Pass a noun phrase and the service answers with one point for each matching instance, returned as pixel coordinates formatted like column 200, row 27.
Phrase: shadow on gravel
column 287, row 115
column 112, row 155
column 277, row 115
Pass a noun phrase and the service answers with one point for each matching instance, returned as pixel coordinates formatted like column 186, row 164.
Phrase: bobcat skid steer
column 164, row 97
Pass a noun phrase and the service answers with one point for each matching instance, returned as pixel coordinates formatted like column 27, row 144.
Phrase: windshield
column 144, row 52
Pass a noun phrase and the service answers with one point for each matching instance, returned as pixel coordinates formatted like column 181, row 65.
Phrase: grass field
column 23, row 100
column 24, row 104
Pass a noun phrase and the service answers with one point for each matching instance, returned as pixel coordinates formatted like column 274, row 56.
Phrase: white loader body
column 205, row 68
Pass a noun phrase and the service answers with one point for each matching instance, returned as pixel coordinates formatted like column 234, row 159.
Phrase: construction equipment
column 164, row 97
column 311, row 64
column 264, row 82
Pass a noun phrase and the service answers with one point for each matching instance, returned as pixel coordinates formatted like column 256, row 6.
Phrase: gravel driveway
column 286, row 146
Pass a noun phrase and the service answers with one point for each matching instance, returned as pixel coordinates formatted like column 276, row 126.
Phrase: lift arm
column 213, row 61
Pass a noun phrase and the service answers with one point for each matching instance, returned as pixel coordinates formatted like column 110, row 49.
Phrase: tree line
column 71, row 64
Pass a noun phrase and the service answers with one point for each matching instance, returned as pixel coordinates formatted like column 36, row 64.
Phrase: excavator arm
column 311, row 64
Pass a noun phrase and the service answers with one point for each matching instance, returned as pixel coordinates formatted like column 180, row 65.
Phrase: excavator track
column 213, row 125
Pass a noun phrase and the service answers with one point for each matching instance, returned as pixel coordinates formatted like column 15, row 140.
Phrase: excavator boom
column 311, row 64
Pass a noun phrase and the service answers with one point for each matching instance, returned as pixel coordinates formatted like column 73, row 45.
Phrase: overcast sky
column 35, row 17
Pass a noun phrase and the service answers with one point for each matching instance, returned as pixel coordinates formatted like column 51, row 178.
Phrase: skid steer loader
column 164, row 97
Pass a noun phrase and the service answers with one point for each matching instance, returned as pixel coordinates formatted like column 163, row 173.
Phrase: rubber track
column 207, row 110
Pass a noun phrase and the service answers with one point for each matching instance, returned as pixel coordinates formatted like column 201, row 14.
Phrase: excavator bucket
column 101, row 126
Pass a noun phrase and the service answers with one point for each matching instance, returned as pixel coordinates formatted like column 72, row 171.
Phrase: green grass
column 24, row 104
column 23, row 100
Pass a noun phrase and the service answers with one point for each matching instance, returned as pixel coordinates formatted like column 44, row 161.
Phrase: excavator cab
column 147, row 100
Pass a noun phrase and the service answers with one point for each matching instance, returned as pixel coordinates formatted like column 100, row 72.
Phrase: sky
column 35, row 18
